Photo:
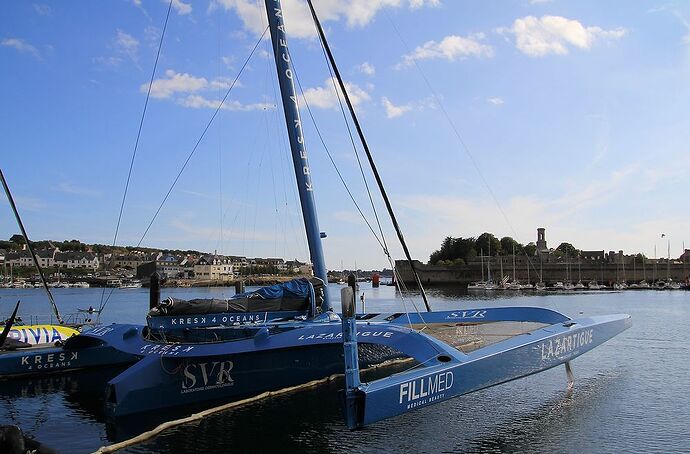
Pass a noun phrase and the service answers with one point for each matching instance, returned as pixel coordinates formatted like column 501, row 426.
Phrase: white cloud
column 450, row 48
column 107, row 61
column 20, row 45
column 538, row 37
column 42, row 9
column 367, row 68
column 536, row 2
column 496, row 101
column 414, row 4
column 356, row 13
column 228, row 61
column 686, row 24
column 325, row 97
column 199, row 102
column 181, row 7
column 175, row 83
column 393, row 111
column 126, row 44
column 70, row 188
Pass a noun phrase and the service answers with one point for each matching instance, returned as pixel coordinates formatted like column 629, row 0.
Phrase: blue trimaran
column 219, row 350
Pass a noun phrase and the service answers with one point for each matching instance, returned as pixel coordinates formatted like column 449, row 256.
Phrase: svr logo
column 213, row 374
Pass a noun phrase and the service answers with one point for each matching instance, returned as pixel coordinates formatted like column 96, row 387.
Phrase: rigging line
column 208, row 125
column 365, row 145
column 10, row 199
column 384, row 245
column 136, row 142
column 354, row 147
column 302, row 248
column 342, row 180
column 457, row 134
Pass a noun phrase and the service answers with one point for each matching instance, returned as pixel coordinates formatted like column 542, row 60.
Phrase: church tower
column 541, row 239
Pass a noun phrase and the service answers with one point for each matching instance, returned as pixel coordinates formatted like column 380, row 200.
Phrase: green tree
column 530, row 249
column 567, row 249
column 453, row 249
column 508, row 244
column 17, row 239
column 488, row 243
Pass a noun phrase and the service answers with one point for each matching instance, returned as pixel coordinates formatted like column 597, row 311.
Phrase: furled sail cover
column 288, row 296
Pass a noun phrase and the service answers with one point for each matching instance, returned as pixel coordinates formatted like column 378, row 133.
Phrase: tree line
column 16, row 243
column 459, row 251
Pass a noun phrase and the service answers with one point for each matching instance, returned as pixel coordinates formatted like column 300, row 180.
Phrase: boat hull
column 458, row 374
column 157, row 383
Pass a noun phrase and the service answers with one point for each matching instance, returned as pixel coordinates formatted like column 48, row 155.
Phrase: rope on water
column 212, row 411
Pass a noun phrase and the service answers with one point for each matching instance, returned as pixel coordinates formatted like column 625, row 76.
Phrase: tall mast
column 481, row 257
column 488, row 263
column 29, row 247
column 299, row 153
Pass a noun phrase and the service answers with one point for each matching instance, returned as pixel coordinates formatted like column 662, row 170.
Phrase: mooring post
column 154, row 290
column 239, row 287
column 347, row 297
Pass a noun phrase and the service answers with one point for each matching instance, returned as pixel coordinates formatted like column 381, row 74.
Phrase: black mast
column 369, row 157
column 31, row 249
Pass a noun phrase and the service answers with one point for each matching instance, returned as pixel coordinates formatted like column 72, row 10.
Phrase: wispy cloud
column 324, row 97
column 538, row 37
column 181, row 7
column 70, row 188
column 686, row 24
column 124, row 46
column 393, row 111
column 26, row 203
column 199, row 102
column 397, row 110
column 173, row 83
column 450, row 48
column 42, row 9
column 127, row 45
column 185, row 89
column 496, row 101
column 367, row 68
column 21, row 46
column 356, row 13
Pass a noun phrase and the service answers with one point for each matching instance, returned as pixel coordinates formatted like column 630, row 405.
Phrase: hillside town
column 132, row 266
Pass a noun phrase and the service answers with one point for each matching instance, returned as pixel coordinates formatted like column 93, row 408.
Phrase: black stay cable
column 369, row 156
column 384, row 245
column 337, row 170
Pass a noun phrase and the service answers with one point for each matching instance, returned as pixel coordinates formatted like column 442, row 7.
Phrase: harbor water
column 632, row 394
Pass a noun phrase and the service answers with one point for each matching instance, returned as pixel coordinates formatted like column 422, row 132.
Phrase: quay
column 607, row 273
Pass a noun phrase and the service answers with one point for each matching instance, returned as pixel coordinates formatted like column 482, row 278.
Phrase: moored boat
column 196, row 352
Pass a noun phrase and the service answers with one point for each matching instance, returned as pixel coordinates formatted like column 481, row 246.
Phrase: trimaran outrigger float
column 201, row 351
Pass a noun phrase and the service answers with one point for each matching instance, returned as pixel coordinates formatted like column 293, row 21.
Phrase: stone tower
column 541, row 239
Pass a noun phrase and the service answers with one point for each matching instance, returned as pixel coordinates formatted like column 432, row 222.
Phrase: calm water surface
column 631, row 394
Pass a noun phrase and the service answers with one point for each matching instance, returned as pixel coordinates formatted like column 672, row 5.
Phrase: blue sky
column 574, row 116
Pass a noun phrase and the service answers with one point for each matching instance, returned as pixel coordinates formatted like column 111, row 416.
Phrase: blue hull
column 226, row 363
column 452, row 373
column 157, row 383
column 38, row 361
